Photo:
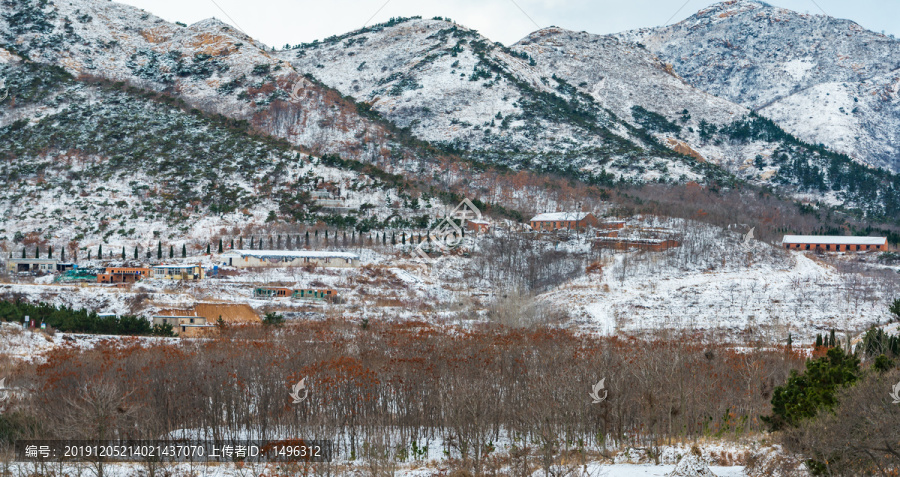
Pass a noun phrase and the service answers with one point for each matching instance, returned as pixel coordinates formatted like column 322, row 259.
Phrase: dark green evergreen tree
column 805, row 394
column 251, row 243
column 123, row 253
column 220, row 245
column 184, row 250
column 159, row 250
column 307, row 238
column 62, row 254
column 790, row 342
column 50, row 251
column 171, row 251
column 89, row 254
column 403, row 238
column 393, row 238
column 207, row 249
column 818, row 340
column 135, row 252
column 23, row 252
column 37, row 251
column 831, row 341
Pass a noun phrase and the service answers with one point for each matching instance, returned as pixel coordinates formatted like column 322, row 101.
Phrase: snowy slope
column 621, row 75
column 209, row 64
column 713, row 284
column 782, row 63
column 452, row 87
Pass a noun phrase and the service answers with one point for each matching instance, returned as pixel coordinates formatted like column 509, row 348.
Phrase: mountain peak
column 729, row 8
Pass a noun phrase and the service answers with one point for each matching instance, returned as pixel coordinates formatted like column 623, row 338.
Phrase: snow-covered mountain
column 208, row 64
column 823, row 79
column 414, row 95
column 456, row 89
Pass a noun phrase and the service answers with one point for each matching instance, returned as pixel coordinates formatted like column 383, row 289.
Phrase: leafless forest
column 389, row 389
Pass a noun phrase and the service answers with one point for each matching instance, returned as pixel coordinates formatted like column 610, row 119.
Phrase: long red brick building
column 834, row 243
column 563, row 221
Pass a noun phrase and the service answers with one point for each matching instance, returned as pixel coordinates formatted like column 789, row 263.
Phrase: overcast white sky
column 277, row 22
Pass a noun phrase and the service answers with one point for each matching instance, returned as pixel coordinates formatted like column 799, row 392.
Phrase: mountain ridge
column 824, row 79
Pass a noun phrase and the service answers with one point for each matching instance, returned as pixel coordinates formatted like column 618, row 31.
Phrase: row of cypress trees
column 403, row 239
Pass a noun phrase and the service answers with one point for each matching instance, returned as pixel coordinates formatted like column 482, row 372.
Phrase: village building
column 834, row 243
column 184, row 326
column 280, row 292
column 289, row 258
column 478, row 225
column 178, row 272
column 35, row 265
column 202, row 318
column 563, row 221
column 611, row 224
column 123, row 275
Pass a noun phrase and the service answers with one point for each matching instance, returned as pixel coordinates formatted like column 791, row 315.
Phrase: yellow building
column 178, row 272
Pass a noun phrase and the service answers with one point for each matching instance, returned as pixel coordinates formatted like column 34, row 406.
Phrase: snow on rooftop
column 292, row 254
column 553, row 216
column 833, row 240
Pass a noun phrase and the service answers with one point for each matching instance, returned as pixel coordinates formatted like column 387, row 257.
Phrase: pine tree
column 326, row 236
column 790, row 342
column 833, row 342
column 171, row 251
column 251, row 243
column 220, row 245
column 232, row 244
column 279, row 242
column 241, row 241
column 50, row 251
column 404, row 238
column 37, row 252
column 23, row 252
column 287, row 242
column 895, row 308
column 818, row 340
column 100, row 252
column 62, row 254
column 307, row 238
column 135, row 252
column 184, row 250
column 123, row 253
column 207, row 250
column 89, row 254
column 393, row 238
column 383, row 238
column 159, row 250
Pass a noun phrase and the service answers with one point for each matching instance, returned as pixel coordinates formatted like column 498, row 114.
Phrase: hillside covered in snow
column 415, row 97
column 825, row 80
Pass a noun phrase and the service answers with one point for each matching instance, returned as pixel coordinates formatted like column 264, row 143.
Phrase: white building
column 289, row 258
